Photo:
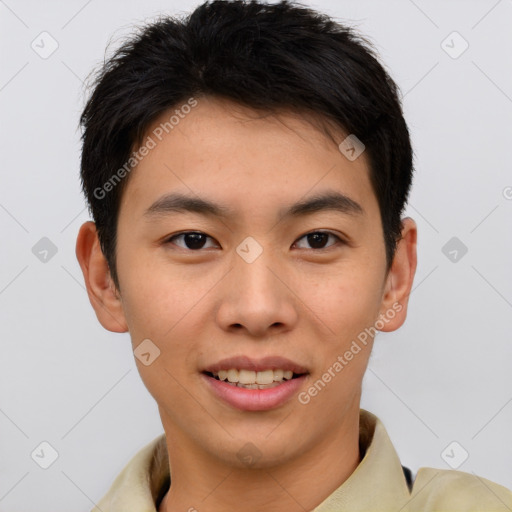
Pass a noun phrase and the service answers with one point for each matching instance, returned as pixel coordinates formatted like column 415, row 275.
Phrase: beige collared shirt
column 378, row 484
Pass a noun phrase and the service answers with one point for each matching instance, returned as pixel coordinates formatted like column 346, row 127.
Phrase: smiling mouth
column 249, row 379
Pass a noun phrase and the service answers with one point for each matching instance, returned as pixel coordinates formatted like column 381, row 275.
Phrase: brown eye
column 192, row 240
column 318, row 240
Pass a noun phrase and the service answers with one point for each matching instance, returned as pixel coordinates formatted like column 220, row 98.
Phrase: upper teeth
column 251, row 377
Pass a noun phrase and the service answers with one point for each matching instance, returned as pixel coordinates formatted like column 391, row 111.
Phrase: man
column 246, row 169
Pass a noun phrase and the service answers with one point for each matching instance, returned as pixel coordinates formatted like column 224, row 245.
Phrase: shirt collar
column 378, row 478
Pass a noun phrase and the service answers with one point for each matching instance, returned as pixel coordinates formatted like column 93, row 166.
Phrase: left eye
column 319, row 238
column 195, row 240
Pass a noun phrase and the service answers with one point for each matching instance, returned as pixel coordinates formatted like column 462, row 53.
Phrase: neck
column 202, row 482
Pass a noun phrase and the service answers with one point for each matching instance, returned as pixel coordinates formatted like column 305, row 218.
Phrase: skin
column 297, row 300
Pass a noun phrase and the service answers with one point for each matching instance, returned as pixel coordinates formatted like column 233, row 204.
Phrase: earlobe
column 400, row 278
column 102, row 292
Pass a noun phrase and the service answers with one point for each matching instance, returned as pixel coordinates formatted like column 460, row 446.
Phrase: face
column 256, row 281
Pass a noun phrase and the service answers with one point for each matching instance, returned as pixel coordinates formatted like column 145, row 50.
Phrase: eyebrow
column 324, row 201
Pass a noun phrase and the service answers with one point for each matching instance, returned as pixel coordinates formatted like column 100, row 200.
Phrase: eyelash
column 339, row 240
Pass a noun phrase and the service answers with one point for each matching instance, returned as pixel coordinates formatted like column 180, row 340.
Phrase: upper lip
column 257, row 365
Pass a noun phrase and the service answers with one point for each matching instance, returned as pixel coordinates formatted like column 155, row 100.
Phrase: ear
column 399, row 280
column 103, row 295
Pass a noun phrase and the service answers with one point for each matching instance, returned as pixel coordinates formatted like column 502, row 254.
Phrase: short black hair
column 268, row 57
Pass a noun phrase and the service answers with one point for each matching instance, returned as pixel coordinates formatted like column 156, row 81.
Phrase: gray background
column 445, row 376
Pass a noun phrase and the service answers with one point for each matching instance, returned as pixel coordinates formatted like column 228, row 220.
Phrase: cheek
column 167, row 306
column 159, row 309
column 155, row 294
column 164, row 309
column 347, row 301
column 349, row 306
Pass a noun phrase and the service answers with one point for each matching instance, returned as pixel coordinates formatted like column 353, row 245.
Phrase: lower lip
column 255, row 399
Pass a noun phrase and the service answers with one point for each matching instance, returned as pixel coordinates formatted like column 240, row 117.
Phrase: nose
column 255, row 298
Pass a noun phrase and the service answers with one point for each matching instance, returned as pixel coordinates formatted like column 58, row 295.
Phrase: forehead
column 243, row 158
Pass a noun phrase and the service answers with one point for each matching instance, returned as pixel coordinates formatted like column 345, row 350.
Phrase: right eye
column 192, row 240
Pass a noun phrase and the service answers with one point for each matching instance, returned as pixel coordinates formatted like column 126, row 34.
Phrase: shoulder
column 137, row 485
column 454, row 491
